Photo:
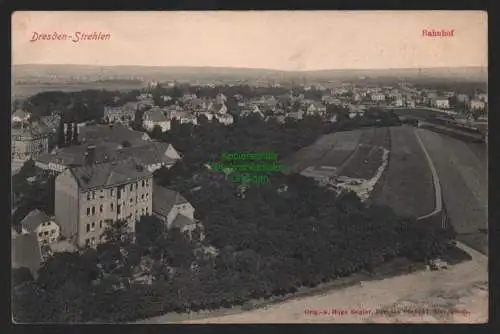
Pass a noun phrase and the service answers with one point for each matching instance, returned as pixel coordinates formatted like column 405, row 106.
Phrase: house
column 114, row 134
column 196, row 105
column 42, row 225
column 26, row 253
column 145, row 104
column 441, row 103
column 315, row 108
column 340, row 90
column 166, row 98
column 156, row 117
column 145, row 96
column 297, row 115
column 123, row 114
column 464, row 98
column 431, row 94
column 279, row 118
column 221, row 98
column 183, row 117
column 188, row 97
column 410, row 103
column 151, row 155
column 52, row 122
column 330, row 100
column 377, row 97
column 356, row 110
column 174, row 210
column 28, row 142
column 477, row 105
column 226, row 119
column 482, row 97
column 206, row 114
column 90, row 197
column 20, row 116
column 217, row 108
column 398, row 102
column 254, row 110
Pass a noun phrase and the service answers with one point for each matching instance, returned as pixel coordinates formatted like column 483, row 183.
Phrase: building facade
column 443, row 103
column 477, row 105
column 45, row 228
column 28, row 142
column 119, row 114
column 90, row 197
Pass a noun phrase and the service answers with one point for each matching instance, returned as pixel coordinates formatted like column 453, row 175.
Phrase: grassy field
column 329, row 150
column 407, row 184
column 462, row 171
column 368, row 157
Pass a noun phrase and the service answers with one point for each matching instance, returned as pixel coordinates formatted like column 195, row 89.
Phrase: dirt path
column 457, row 295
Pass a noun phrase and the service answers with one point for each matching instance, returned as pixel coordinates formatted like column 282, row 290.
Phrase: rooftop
column 164, row 199
column 118, row 133
column 21, row 114
column 155, row 115
column 181, row 222
column 109, row 174
column 32, row 129
column 146, row 154
column 34, row 219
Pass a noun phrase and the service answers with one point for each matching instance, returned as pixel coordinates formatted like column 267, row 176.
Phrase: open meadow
column 407, row 185
column 329, row 150
column 365, row 162
column 462, row 170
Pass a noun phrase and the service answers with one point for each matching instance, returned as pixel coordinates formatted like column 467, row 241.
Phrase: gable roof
column 148, row 153
column 155, row 115
column 33, row 219
column 181, row 222
column 21, row 114
column 99, row 133
column 26, row 252
column 164, row 199
column 109, row 174
column 33, row 129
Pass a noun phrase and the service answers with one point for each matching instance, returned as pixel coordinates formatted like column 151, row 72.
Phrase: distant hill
column 89, row 72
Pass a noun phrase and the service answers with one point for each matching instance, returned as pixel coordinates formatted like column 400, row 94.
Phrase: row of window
column 46, row 241
column 92, row 210
column 46, row 233
column 91, row 227
column 92, row 194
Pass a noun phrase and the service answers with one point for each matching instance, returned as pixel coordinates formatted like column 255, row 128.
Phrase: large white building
column 477, row 105
column 156, row 117
column 441, row 103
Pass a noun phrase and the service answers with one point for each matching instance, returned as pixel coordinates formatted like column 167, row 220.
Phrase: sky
column 284, row 40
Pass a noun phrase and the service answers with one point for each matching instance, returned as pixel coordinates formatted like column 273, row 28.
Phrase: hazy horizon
column 273, row 40
column 263, row 69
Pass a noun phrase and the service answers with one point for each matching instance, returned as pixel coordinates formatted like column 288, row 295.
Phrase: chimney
column 90, row 155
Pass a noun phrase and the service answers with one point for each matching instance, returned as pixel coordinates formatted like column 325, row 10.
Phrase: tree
column 148, row 230
column 117, row 233
column 61, row 136
column 138, row 117
column 69, row 134
column 157, row 132
column 75, row 133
